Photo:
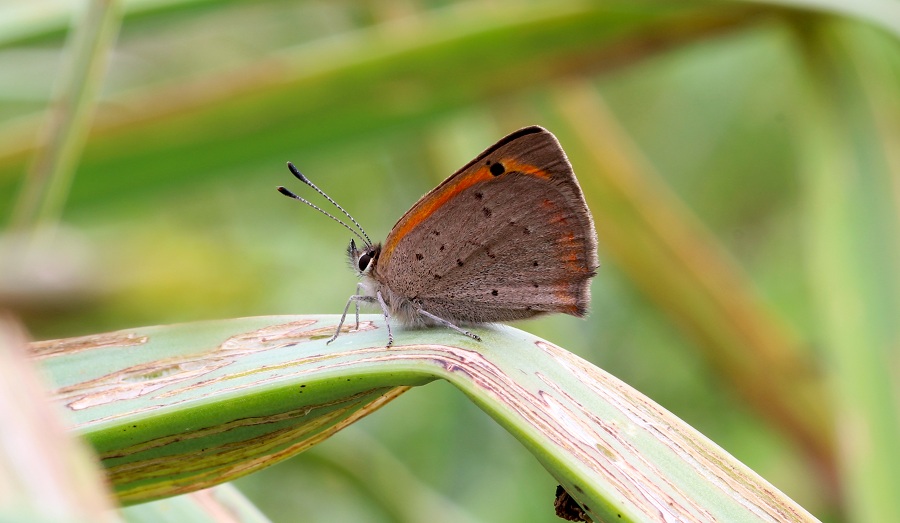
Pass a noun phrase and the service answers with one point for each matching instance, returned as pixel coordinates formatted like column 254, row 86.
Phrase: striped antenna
column 304, row 179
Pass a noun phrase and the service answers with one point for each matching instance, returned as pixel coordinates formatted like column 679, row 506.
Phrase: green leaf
column 173, row 409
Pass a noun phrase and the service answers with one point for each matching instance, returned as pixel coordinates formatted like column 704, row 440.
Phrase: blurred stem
column 679, row 264
column 44, row 471
column 853, row 233
column 65, row 132
column 220, row 504
column 384, row 479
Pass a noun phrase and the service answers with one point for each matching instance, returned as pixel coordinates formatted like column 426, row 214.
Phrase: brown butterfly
column 507, row 237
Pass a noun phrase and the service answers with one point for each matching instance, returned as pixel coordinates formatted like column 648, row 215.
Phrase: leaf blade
column 619, row 454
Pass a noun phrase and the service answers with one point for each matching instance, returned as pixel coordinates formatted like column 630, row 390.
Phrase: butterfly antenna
column 306, row 180
column 289, row 194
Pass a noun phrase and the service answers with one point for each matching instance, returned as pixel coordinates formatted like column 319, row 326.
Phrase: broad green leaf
column 174, row 409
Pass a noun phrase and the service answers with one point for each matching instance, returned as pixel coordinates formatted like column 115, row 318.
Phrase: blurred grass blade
column 851, row 179
column 174, row 409
column 310, row 96
column 46, row 474
column 361, row 459
column 69, row 117
column 678, row 264
column 219, row 504
column 883, row 13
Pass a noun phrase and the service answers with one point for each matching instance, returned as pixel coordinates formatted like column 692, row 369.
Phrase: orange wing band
column 437, row 200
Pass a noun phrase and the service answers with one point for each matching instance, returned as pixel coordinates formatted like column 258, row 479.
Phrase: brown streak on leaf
column 49, row 348
column 139, row 380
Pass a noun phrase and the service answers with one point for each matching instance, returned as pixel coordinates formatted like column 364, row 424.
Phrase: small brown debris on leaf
column 567, row 508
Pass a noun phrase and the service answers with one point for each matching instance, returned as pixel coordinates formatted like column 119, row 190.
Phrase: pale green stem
column 62, row 140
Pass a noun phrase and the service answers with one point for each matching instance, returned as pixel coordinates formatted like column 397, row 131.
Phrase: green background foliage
column 754, row 227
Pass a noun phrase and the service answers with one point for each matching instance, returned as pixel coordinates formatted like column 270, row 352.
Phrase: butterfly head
column 363, row 260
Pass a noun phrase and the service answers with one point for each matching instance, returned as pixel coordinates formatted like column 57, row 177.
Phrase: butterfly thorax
column 365, row 263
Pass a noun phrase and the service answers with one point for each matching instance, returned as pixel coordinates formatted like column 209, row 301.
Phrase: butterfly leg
column 356, row 298
column 387, row 317
column 359, row 289
column 446, row 323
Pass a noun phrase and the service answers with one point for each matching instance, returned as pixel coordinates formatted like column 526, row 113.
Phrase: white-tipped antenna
column 364, row 237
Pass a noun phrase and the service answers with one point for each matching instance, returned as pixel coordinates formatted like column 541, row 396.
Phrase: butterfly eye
column 364, row 262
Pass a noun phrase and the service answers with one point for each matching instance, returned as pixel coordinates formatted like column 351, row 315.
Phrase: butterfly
column 506, row 237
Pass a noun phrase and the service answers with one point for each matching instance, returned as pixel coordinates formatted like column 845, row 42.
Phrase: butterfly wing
column 506, row 237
